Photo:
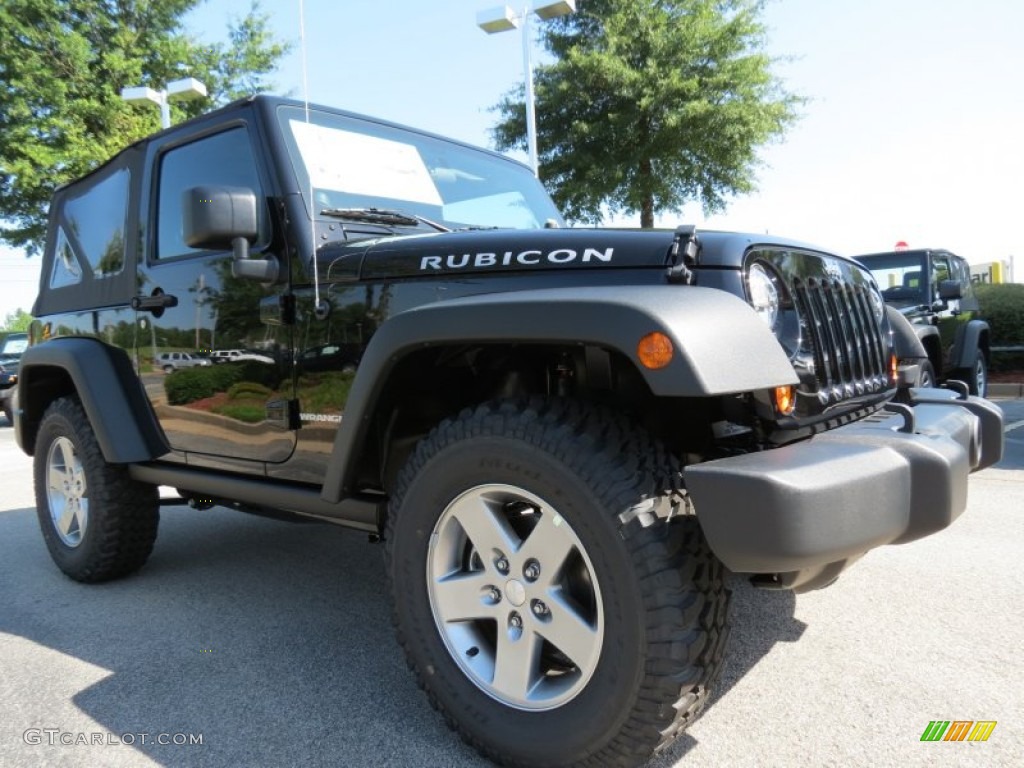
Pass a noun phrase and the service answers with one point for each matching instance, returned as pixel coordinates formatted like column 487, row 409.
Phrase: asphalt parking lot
column 272, row 644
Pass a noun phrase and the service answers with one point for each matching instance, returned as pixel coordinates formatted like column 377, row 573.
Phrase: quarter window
column 66, row 269
column 96, row 220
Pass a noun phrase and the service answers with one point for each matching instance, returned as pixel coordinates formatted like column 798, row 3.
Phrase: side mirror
column 950, row 289
column 223, row 218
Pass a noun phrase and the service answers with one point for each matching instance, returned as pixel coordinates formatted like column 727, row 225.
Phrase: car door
column 946, row 311
column 237, row 411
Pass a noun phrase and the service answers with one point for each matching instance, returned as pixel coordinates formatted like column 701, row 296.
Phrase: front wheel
column 549, row 609
column 976, row 377
column 98, row 523
column 926, row 378
column 977, row 380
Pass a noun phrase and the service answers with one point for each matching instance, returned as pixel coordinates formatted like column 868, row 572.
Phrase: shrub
column 1002, row 306
column 245, row 389
column 325, row 392
column 247, row 412
column 191, row 384
column 1007, row 362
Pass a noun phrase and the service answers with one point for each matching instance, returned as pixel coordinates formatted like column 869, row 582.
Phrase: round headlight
column 764, row 296
column 877, row 303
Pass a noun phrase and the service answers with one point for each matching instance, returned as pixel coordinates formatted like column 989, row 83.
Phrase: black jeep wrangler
column 932, row 289
column 563, row 436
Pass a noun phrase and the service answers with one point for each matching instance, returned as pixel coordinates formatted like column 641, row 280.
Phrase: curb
column 1001, row 389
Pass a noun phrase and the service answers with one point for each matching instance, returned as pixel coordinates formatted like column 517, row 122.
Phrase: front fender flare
column 721, row 346
column 969, row 342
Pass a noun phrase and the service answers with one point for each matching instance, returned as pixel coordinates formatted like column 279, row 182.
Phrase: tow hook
column 909, row 422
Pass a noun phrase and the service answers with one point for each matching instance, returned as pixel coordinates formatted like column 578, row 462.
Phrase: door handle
column 156, row 303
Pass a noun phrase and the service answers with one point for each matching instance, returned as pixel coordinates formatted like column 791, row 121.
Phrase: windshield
column 354, row 163
column 14, row 344
column 901, row 276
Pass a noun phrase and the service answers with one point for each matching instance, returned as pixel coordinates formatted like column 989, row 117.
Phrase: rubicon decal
column 514, row 258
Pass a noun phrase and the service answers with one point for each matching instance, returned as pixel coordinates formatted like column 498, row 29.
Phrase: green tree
column 63, row 64
column 17, row 321
column 651, row 104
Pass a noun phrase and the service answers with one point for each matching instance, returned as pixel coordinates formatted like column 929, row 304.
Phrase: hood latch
column 683, row 255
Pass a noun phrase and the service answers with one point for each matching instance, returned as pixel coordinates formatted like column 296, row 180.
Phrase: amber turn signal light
column 655, row 350
column 785, row 400
column 894, row 376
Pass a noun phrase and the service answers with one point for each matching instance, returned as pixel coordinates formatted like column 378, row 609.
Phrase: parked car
column 8, row 378
column 932, row 289
column 172, row 361
column 330, row 357
column 10, row 355
column 564, row 436
column 237, row 355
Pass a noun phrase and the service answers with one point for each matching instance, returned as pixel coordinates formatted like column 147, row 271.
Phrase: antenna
column 319, row 310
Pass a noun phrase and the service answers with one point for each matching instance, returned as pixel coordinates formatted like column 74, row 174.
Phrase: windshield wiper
column 382, row 216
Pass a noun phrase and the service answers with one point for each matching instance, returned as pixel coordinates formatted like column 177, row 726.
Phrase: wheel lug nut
column 515, row 620
column 539, row 608
column 532, row 571
column 501, row 564
column 495, row 595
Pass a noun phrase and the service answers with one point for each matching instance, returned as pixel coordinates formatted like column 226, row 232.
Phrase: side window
column 940, row 272
column 225, row 158
column 968, row 300
column 965, row 272
column 90, row 238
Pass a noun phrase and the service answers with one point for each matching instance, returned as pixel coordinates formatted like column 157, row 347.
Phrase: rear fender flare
column 103, row 379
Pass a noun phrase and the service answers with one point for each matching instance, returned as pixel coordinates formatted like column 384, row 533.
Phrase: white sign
column 363, row 165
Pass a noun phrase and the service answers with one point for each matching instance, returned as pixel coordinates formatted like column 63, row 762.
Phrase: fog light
column 655, row 350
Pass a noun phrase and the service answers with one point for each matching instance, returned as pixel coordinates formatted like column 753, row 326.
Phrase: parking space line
column 1010, row 427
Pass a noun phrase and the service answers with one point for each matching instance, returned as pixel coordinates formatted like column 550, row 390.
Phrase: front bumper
column 800, row 514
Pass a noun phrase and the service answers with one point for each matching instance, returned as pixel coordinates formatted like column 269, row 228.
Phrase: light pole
column 503, row 19
column 186, row 89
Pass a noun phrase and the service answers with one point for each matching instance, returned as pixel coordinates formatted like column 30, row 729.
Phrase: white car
column 172, row 361
column 237, row 355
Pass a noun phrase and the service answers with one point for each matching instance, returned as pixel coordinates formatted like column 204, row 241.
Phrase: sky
column 912, row 130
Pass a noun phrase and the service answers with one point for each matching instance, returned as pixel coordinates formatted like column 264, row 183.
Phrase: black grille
column 850, row 355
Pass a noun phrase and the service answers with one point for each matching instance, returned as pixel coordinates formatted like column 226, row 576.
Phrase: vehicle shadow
column 1013, row 441
column 273, row 641
column 760, row 620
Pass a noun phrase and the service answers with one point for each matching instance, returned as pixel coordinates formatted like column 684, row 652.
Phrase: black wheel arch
column 104, row 381
column 721, row 346
column 973, row 338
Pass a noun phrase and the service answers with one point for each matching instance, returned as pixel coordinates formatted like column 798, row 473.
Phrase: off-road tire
column 977, row 375
column 926, row 378
column 664, row 600
column 122, row 515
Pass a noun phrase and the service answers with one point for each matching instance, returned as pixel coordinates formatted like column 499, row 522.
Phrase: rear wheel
column 549, row 609
column 98, row 523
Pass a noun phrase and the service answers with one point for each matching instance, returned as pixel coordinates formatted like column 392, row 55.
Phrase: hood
column 494, row 250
